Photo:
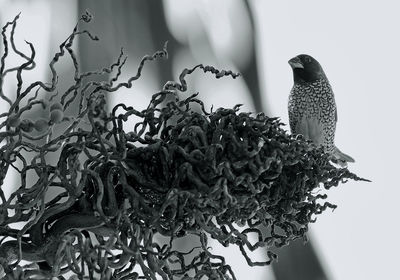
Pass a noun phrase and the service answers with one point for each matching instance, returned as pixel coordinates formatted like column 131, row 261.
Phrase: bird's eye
column 307, row 59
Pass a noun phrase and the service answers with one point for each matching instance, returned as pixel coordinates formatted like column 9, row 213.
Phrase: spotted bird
column 312, row 107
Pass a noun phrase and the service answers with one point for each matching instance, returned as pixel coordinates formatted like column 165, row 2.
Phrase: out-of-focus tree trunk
column 250, row 72
column 160, row 34
column 119, row 24
column 298, row 261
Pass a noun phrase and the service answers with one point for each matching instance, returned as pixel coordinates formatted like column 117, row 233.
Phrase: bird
column 312, row 107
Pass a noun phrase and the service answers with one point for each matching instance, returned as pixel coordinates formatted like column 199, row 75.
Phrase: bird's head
column 306, row 69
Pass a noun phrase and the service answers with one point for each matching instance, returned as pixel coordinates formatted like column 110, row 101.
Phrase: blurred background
column 356, row 42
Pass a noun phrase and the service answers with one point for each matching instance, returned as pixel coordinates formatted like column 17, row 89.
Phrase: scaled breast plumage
column 313, row 104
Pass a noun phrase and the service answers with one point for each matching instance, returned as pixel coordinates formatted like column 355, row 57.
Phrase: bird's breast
column 312, row 99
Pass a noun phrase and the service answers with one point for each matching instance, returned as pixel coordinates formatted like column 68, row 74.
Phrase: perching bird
column 312, row 107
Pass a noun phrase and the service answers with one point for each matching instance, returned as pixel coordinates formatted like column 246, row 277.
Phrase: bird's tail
column 341, row 157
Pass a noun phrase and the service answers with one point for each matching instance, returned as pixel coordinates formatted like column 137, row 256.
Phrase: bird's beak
column 295, row 62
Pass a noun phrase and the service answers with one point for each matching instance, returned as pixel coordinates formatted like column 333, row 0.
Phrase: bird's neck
column 308, row 82
column 303, row 77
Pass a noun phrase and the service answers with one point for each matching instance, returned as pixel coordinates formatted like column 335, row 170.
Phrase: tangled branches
column 177, row 172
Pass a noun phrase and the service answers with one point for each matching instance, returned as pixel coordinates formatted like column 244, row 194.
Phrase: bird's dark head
column 306, row 69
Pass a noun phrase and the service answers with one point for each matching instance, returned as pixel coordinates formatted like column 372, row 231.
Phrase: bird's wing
column 336, row 114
